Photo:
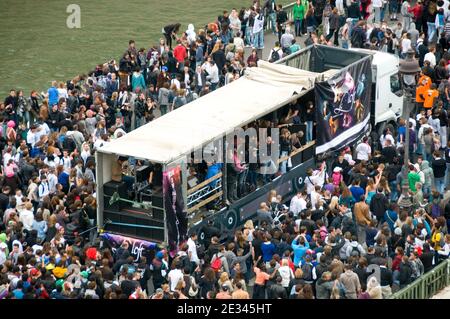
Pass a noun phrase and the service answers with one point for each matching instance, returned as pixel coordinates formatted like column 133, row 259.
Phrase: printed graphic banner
column 174, row 205
column 343, row 107
column 136, row 247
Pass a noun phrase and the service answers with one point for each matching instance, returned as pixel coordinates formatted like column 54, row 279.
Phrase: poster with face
column 343, row 107
column 175, row 208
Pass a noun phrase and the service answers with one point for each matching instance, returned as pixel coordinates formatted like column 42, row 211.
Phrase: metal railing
column 289, row 8
column 428, row 284
column 204, row 193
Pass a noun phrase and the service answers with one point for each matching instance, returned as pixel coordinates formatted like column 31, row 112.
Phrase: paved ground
column 269, row 43
column 443, row 294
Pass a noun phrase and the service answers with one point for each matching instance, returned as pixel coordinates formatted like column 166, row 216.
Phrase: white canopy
column 214, row 115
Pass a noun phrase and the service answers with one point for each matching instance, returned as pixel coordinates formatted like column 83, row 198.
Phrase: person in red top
column 417, row 11
column 397, row 259
column 180, row 52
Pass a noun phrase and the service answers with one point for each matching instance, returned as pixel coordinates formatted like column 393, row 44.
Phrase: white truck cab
column 387, row 93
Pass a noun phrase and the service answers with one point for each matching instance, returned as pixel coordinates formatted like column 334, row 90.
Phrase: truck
column 177, row 203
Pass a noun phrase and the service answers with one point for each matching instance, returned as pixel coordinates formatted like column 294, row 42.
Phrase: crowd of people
column 345, row 222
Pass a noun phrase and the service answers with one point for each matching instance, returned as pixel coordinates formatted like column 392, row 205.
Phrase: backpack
column 307, row 272
column 216, row 264
column 356, row 39
column 275, row 56
column 355, row 251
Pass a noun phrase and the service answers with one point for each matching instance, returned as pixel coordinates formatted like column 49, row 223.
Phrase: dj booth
column 135, row 211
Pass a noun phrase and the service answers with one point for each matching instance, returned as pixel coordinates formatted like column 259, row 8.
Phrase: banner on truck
column 136, row 247
column 175, row 207
column 343, row 107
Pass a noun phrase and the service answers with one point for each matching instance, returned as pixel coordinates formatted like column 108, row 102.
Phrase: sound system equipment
column 109, row 189
column 125, row 225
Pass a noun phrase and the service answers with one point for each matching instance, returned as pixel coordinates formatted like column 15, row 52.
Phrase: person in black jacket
column 405, row 274
column 386, row 280
column 159, row 270
column 277, row 291
column 170, row 32
column 427, row 257
column 54, row 118
column 282, row 17
column 139, row 110
column 379, row 204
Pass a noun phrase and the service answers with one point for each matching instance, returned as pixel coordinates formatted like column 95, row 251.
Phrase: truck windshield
column 395, row 85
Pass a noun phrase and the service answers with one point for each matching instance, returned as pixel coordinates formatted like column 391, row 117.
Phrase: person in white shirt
column 52, row 180
column 175, row 275
column 43, row 189
column 26, row 216
column 32, row 137
column 298, row 203
column 239, row 42
column 317, row 177
column 406, row 44
column 286, row 273
column 431, row 57
column 376, row 5
column 445, row 250
column 66, row 161
column 212, row 72
column 192, row 249
column 315, row 196
column 363, row 150
column 7, row 156
column 258, row 30
column 386, row 136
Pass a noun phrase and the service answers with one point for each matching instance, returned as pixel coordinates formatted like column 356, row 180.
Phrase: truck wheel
column 231, row 219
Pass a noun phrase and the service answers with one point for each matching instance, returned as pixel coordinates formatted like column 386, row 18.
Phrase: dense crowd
column 324, row 245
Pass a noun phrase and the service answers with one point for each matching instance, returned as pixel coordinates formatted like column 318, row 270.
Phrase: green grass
column 37, row 47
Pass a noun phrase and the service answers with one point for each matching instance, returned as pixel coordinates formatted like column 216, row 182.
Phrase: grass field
column 38, row 47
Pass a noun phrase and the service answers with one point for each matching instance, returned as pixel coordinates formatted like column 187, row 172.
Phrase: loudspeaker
column 109, row 189
column 126, row 226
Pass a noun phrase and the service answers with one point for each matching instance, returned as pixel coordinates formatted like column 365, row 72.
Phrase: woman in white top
column 62, row 91
column 387, row 135
column 286, row 273
column 86, row 152
column 406, row 44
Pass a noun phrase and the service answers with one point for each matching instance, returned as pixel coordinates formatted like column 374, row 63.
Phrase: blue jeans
column 258, row 41
column 248, row 35
column 439, row 183
column 309, row 130
column 426, row 191
column 298, row 27
column 283, row 164
column 273, row 21
column 394, row 192
column 431, row 30
column 140, row 121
